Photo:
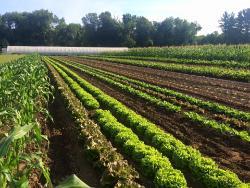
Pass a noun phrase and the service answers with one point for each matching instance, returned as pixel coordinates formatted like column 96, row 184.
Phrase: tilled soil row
column 66, row 153
column 198, row 86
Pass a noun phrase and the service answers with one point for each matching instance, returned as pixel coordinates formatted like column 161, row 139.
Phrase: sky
column 205, row 12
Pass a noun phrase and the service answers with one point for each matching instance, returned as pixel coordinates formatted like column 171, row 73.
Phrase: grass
column 9, row 57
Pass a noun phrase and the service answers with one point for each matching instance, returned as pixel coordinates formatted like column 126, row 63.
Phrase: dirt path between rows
column 232, row 93
column 66, row 154
column 228, row 152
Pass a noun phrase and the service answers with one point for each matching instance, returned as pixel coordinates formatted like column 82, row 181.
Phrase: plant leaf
column 18, row 133
column 72, row 182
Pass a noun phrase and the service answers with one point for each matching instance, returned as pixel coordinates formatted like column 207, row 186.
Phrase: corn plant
column 24, row 93
column 204, row 52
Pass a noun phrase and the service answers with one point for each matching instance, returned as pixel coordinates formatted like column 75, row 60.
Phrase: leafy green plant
column 149, row 159
column 72, row 182
column 211, row 106
column 115, row 171
column 184, row 157
column 218, row 126
column 88, row 100
column 163, row 104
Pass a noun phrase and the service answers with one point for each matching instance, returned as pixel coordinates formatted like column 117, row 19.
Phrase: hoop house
column 61, row 50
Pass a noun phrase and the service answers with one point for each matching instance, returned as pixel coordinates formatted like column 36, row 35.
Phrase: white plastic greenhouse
column 61, row 50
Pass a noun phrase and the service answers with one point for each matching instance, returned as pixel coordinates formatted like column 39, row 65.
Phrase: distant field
column 6, row 58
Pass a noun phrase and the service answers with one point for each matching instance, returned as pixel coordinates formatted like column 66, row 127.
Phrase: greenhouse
column 51, row 50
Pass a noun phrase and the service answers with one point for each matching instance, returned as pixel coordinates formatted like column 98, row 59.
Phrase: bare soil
column 66, row 153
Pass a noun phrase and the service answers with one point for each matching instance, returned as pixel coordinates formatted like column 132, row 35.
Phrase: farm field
column 149, row 117
column 8, row 58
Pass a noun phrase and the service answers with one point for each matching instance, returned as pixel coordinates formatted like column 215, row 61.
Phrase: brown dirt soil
column 65, row 151
column 229, row 152
column 232, row 93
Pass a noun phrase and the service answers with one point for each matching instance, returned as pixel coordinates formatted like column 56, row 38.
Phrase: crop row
column 218, row 72
column 115, row 170
column 24, row 93
column 152, row 163
column 196, row 118
column 151, row 99
column 225, row 128
column 211, row 106
column 219, row 63
column 88, row 100
column 205, row 52
column 182, row 156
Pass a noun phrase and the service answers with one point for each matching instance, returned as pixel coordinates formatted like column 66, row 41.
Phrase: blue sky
column 206, row 13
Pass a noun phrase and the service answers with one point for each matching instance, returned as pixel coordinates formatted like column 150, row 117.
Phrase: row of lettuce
column 211, row 106
column 212, row 71
column 169, row 107
column 132, row 129
column 24, row 93
column 115, row 171
column 135, row 148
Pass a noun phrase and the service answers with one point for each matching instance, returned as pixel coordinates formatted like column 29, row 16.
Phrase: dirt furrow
column 66, row 154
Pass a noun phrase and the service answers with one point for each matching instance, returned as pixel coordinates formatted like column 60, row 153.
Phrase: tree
column 129, row 26
column 68, row 35
column 243, row 25
column 175, row 31
column 184, row 32
column 109, row 31
column 163, row 32
column 29, row 28
column 212, row 38
column 236, row 29
column 91, row 25
column 143, row 32
column 229, row 28
column 42, row 27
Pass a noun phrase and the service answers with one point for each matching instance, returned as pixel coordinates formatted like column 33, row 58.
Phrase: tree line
column 235, row 29
column 42, row 27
